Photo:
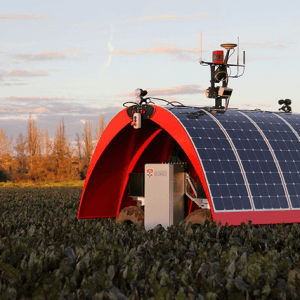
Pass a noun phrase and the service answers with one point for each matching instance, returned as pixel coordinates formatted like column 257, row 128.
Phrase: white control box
column 164, row 195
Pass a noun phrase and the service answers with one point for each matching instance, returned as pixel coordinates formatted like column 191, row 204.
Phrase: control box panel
column 164, row 194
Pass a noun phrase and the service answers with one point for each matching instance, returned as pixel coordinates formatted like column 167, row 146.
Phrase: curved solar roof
column 251, row 159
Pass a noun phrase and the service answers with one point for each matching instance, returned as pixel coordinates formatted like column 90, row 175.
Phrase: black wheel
column 131, row 215
column 198, row 216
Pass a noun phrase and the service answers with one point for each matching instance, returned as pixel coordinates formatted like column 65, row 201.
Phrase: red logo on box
column 149, row 173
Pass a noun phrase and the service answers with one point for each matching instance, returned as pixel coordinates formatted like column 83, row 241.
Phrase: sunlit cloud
column 11, row 83
column 24, row 73
column 83, row 24
column 13, row 77
column 41, row 110
column 28, row 99
column 25, row 16
column 50, row 55
column 40, row 56
column 177, row 90
column 20, row 118
column 175, row 17
column 176, row 52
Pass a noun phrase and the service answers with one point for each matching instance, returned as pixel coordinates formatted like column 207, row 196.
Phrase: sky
column 80, row 59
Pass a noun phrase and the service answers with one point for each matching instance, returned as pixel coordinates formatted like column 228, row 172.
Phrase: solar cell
column 219, row 162
column 260, row 167
column 267, row 146
column 280, row 129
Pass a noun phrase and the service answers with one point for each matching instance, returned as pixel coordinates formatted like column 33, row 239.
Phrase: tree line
column 37, row 158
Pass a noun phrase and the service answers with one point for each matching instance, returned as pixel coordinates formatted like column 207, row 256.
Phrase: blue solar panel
column 257, row 160
column 222, row 170
column 263, row 145
column 278, row 128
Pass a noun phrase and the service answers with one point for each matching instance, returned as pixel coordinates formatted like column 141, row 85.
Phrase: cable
column 169, row 102
column 149, row 98
column 231, row 53
column 128, row 102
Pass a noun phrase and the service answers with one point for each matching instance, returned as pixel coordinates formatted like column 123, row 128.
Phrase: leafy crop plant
column 46, row 253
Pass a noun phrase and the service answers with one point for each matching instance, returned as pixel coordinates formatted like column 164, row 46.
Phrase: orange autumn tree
column 34, row 147
column 61, row 157
column 6, row 160
column 21, row 157
column 37, row 158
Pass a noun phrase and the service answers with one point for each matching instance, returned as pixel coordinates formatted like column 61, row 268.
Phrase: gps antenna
column 200, row 48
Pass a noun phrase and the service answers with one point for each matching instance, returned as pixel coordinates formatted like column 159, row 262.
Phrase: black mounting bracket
column 146, row 111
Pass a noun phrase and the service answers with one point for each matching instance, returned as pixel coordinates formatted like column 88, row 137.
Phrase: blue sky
column 79, row 59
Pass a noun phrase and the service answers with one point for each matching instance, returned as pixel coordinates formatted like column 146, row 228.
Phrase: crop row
column 46, row 253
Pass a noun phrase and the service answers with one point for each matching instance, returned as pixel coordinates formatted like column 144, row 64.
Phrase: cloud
column 110, row 47
column 177, row 90
column 175, row 52
column 50, row 55
column 29, row 99
column 10, row 84
column 21, row 118
column 83, row 24
column 41, row 110
column 174, row 17
column 40, row 56
column 12, row 78
column 14, row 115
column 24, row 73
column 25, row 17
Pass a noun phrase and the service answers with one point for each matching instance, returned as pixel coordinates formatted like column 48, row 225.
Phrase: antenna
column 238, row 56
column 200, row 48
column 218, row 70
column 238, row 52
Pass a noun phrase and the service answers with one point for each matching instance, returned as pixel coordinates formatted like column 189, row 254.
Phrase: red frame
column 104, row 193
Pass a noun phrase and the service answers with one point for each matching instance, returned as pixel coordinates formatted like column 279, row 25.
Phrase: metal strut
column 189, row 183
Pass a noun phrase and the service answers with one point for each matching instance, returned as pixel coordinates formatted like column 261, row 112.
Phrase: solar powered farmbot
column 164, row 164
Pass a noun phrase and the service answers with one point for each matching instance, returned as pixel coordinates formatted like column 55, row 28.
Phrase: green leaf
column 230, row 286
column 10, row 273
column 163, row 293
column 266, row 291
column 254, row 272
column 111, row 272
column 38, row 294
column 241, row 284
column 31, row 231
column 164, row 277
column 255, row 258
column 66, row 289
column 32, row 259
column 125, row 272
column 231, row 270
column 180, row 294
column 153, row 283
column 211, row 296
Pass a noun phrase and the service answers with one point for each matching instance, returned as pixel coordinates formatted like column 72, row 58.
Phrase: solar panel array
column 251, row 159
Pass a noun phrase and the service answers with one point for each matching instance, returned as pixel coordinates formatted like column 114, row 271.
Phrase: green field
column 46, row 253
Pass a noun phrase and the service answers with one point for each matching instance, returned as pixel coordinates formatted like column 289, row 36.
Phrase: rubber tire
column 131, row 213
column 198, row 216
